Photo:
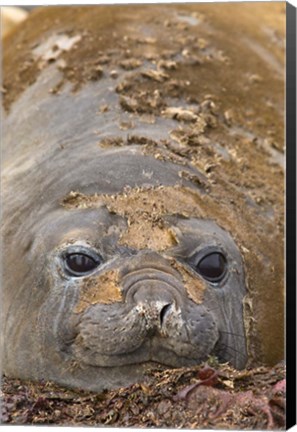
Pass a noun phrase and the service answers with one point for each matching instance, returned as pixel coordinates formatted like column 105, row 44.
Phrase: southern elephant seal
column 142, row 218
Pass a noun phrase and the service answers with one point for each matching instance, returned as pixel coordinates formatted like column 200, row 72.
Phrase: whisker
column 232, row 334
column 222, row 358
column 233, row 349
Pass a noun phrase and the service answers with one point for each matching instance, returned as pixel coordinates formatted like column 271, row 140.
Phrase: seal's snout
column 155, row 291
column 155, row 299
column 154, row 319
column 156, row 315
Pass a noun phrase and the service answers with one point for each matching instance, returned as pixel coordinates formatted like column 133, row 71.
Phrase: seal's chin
column 143, row 355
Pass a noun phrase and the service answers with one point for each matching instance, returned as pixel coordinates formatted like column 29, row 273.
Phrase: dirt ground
column 206, row 396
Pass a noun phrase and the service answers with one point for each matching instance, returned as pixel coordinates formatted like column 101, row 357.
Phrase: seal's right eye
column 79, row 264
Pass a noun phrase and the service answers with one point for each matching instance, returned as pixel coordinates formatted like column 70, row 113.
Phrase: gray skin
column 156, row 323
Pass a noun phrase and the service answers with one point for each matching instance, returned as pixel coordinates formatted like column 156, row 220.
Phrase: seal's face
column 115, row 305
column 124, row 272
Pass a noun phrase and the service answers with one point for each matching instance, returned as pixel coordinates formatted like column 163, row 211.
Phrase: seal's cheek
column 102, row 289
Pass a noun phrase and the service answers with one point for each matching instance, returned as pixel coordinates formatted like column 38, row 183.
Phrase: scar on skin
column 194, row 285
column 103, row 289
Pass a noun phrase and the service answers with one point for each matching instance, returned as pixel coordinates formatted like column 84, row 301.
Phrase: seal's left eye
column 79, row 264
column 212, row 267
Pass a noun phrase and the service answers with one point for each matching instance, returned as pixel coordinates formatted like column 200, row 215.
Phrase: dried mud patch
column 212, row 397
column 144, row 209
column 103, row 289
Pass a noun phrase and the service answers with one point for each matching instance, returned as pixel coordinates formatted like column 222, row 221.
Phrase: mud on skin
column 144, row 213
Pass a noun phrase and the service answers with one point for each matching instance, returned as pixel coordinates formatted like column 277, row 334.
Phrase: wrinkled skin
column 146, row 303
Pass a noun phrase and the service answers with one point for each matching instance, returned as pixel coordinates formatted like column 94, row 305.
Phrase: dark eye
column 79, row 264
column 212, row 267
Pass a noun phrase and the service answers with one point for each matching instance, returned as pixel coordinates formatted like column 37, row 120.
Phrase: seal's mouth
column 151, row 331
column 154, row 348
column 163, row 358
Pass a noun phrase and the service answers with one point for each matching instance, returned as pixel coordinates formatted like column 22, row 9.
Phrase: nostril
column 164, row 312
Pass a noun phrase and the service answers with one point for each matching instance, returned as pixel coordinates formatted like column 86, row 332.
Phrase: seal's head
column 132, row 279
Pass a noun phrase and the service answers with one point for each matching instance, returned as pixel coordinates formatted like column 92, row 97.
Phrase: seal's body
column 130, row 237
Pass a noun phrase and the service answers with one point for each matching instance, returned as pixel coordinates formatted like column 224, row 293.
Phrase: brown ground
column 194, row 398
